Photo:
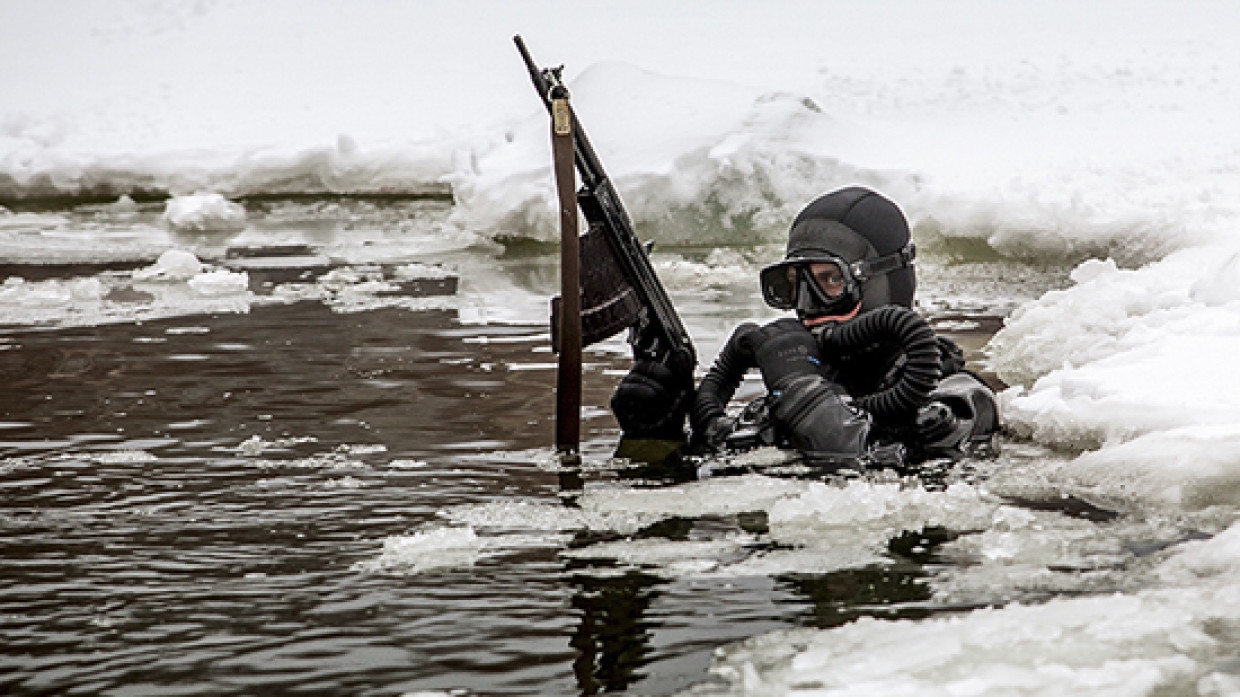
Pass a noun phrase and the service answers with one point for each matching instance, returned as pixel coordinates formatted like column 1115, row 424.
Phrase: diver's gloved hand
column 815, row 416
column 652, row 401
column 951, row 358
column 934, row 422
column 783, row 350
column 715, row 435
column 961, row 420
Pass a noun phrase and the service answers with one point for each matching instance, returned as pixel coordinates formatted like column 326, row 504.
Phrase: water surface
column 211, row 502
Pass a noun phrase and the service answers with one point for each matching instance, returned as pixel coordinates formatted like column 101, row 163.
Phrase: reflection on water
column 613, row 639
column 891, row 591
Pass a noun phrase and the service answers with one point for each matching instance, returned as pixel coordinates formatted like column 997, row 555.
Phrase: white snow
column 1140, row 363
column 1045, row 130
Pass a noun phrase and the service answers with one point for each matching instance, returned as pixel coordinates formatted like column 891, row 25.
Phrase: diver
column 858, row 376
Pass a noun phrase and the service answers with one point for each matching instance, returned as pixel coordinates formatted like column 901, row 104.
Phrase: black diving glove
column 715, row 436
column 783, row 350
column 934, row 422
column 652, row 401
column 816, row 416
column 811, row 413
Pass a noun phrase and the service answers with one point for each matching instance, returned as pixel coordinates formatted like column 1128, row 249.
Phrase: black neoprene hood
column 856, row 223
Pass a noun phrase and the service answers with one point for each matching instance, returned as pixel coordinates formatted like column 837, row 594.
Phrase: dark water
column 144, row 551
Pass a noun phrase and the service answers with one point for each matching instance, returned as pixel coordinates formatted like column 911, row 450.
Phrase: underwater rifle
column 619, row 288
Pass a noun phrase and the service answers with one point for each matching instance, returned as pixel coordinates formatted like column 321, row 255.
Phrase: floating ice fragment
column 16, row 292
column 124, row 204
column 205, row 212
column 86, row 289
column 431, row 549
column 345, row 482
column 117, row 457
column 417, row 271
column 822, row 557
column 172, row 265
column 220, row 282
column 720, row 496
column 679, row 556
column 522, row 515
column 861, row 510
column 1173, row 638
column 252, row 446
column 362, row 448
column 177, row 331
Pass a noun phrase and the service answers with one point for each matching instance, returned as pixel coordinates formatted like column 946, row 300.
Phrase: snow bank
column 342, row 168
column 1139, row 363
column 701, row 162
column 1009, row 130
column 697, row 162
column 1194, row 467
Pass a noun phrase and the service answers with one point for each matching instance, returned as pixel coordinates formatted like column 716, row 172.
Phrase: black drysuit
column 860, row 372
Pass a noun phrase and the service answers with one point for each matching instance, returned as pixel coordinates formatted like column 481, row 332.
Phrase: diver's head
column 848, row 251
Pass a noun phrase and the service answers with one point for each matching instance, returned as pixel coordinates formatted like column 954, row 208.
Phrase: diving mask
column 825, row 284
column 815, row 286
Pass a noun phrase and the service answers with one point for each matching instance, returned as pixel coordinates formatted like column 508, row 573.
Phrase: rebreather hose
column 921, row 353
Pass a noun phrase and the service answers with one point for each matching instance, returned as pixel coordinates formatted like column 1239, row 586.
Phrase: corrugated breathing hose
column 921, row 371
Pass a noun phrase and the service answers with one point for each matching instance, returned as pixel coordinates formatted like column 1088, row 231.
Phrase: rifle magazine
column 609, row 304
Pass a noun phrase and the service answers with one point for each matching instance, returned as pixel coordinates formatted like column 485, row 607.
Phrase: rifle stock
column 611, row 254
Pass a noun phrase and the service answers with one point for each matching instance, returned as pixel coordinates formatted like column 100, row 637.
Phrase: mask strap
column 864, row 270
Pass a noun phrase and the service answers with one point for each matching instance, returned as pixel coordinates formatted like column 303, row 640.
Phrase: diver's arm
column 721, row 382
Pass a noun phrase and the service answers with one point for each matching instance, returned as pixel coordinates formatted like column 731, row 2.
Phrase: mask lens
column 829, row 277
column 779, row 286
column 823, row 282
